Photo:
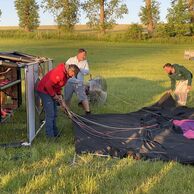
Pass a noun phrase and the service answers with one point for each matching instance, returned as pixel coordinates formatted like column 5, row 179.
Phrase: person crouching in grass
column 49, row 89
column 181, row 79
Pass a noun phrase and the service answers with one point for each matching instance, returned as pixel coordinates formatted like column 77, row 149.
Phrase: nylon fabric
column 148, row 133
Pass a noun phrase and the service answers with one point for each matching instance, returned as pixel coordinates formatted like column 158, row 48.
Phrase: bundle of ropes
column 82, row 122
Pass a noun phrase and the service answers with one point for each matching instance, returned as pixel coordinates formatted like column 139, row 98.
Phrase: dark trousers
column 50, row 108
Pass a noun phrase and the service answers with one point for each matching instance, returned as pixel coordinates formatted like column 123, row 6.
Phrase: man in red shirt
column 49, row 90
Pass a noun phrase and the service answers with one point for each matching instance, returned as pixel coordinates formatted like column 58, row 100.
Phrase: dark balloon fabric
column 148, row 133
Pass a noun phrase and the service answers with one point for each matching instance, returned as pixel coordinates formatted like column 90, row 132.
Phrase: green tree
column 150, row 14
column 179, row 12
column 179, row 18
column 27, row 11
column 135, row 32
column 191, row 9
column 65, row 12
column 102, row 14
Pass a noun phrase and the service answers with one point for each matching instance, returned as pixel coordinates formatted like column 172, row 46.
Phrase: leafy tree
column 27, row 11
column 179, row 12
column 150, row 14
column 160, row 31
column 191, row 9
column 102, row 14
column 65, row 12
column 135, row 32
column 179, row 18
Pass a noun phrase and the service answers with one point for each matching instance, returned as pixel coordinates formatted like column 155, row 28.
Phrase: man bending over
column 76, row 85
column 181, row 79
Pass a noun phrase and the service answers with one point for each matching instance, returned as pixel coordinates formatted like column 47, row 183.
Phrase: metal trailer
column 34, row 69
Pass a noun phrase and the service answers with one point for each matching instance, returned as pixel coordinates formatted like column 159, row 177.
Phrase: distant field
column 134, row 74
column 120, row 27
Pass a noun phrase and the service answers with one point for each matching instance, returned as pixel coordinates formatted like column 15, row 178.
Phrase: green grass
column 134, row 73
column 82, row 32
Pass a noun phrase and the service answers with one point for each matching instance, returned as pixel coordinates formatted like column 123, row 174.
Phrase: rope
column 90, row 130
column 111, row 127
column 104, row 135
column 151, row 112
column 122, row 100
column 101, row 135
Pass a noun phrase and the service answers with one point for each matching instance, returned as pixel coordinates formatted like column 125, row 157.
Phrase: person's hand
column 63, row 105
column 60, row 98
column 56, row 97
column 169, row 91
column 189, row 88
column 66, row 109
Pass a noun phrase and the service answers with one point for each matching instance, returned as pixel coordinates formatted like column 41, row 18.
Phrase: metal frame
column 31, row 77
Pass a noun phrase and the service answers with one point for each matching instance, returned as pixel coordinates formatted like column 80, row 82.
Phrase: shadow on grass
column 127, row 94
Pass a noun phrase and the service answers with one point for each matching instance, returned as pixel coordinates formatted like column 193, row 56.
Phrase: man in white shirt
column 76, row 85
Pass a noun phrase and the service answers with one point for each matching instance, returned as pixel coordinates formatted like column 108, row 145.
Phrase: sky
column 9, row 16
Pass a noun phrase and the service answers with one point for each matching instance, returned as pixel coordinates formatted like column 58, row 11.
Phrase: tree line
column 103, row 14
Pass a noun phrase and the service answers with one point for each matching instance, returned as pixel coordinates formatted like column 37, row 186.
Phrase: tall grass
column 110, row 36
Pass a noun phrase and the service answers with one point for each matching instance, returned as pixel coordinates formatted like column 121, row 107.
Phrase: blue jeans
column 50, row 108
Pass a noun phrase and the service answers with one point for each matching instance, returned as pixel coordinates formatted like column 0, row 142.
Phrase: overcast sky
column 9, row 16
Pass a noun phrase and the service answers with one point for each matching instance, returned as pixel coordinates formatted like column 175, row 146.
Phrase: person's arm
column 53, row 80
column 49, row 88
column 173, row 83
column 59, row 92
column 85, row 70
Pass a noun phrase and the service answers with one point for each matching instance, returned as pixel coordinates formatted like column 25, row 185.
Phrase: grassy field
column 134, row 74
column 80, row 32
column 78, row 28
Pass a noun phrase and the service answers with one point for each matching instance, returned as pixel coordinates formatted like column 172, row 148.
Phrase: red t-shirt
column 53, row 81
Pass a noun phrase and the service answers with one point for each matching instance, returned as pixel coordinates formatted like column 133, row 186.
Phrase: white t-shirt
column 83, row 66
